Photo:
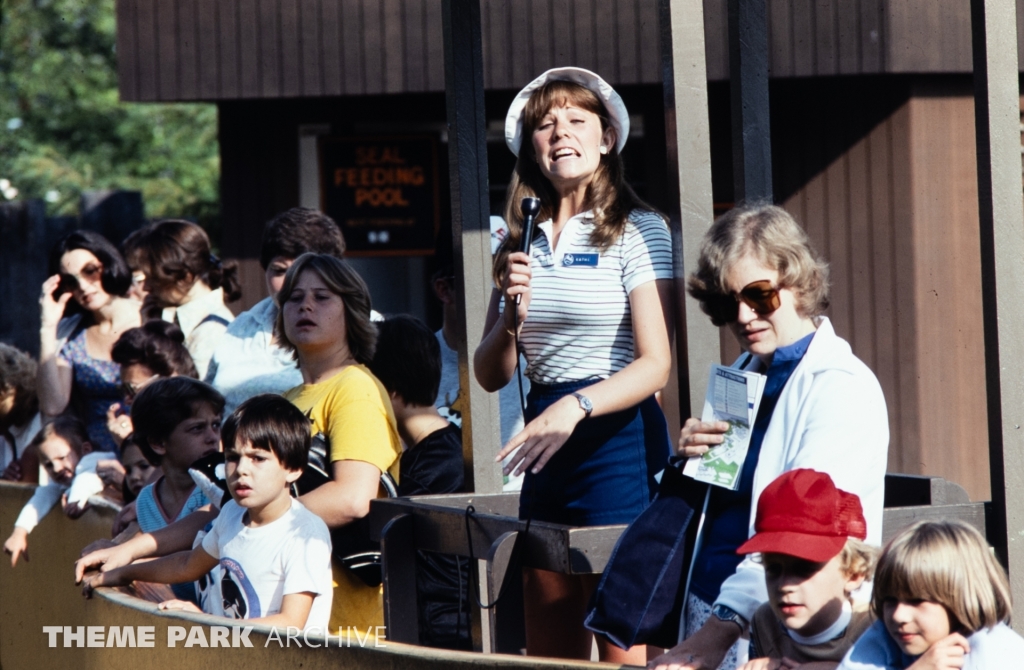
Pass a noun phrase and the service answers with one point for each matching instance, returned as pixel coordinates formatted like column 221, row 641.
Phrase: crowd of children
column 220, row 505
column 215, row 498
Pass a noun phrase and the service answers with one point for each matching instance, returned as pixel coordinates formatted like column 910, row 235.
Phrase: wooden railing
column 438, row 523
column 39, row 592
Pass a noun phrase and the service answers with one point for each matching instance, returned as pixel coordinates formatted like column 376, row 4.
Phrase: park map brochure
column 733, row 396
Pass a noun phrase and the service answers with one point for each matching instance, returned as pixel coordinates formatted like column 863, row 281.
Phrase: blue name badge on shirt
column 580, row 260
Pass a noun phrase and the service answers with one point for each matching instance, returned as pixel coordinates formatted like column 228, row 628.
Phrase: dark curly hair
column 18, row 373
column 159, row 346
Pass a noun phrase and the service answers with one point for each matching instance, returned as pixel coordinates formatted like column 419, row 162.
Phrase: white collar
column 830, row 633
column 192, row 313
column 582, row 218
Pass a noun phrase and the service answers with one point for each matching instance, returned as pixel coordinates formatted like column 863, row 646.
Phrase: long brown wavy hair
column 608, row 196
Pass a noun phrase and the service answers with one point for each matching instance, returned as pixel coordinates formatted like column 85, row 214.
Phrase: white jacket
column 831, row 417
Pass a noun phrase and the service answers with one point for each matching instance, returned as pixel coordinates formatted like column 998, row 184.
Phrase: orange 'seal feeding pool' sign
column 382, row 191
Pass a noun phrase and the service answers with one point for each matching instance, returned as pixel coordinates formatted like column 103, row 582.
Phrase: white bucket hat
column 617, row 114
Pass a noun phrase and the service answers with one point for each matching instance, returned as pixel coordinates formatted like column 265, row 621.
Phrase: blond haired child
column 810, row 536
column 943, row 602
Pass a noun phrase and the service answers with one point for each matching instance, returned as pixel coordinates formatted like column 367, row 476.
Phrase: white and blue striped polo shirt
column 579, row 324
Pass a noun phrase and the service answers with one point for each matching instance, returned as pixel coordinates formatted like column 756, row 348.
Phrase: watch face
column 585, row 403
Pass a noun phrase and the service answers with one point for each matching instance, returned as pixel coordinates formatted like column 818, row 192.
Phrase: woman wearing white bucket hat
column 592, row 322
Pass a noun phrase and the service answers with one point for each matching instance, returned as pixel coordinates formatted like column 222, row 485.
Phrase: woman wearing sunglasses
column 74, row 351
column 588, row 305
column 822, row 409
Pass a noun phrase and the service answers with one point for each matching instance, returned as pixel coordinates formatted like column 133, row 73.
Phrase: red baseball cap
column 803, row 514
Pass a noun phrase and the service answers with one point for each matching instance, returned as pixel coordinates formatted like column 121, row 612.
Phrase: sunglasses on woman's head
column 129, row 390
column 90, row 273
column 759, row 296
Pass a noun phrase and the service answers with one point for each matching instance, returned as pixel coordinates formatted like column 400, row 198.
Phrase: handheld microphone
column 530, row 207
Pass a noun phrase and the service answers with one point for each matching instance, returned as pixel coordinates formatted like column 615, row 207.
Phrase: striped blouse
column 579, row 324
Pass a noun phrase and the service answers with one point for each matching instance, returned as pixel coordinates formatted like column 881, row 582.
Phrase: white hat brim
column 618, row 116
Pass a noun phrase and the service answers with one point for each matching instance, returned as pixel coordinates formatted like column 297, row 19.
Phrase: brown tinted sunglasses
column 759, row 296
column 90, row 273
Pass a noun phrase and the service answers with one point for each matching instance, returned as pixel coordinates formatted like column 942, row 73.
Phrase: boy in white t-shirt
column 274, row 554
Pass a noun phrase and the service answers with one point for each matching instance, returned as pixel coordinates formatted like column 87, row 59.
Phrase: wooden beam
column 748, row 86
column 1001, row 213
column 471, row 232
column 688, row 144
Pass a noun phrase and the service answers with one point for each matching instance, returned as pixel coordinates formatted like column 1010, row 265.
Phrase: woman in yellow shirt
column 325, row 320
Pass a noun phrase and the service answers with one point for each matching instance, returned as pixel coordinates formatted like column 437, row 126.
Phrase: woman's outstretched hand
column 52, row 310
column 697, row 437
column 517, row 283
column 542, row 437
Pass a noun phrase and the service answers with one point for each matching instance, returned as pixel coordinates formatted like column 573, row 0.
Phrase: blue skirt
column 604, row 473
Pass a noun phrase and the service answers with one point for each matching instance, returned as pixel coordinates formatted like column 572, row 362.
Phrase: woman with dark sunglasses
column 74, row 350
column 822, row 409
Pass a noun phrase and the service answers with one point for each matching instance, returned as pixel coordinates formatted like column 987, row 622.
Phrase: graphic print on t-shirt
column 451, row 408
column 239, row 597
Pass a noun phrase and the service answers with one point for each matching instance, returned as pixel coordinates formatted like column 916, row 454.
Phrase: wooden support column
column 997, row 125
column 688, row 143
column 471, row 233
column 748, row 85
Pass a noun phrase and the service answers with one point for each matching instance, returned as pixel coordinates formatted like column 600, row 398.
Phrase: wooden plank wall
column 821, row 38
column 809, row 38
column 243, row 49
column 896, row 216
column 239, row 49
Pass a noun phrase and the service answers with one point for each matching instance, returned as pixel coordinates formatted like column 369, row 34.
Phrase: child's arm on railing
column 184, row 566
column 176, row 537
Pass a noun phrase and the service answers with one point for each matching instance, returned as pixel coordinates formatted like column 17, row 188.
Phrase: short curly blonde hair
column 772, row 236
column 857, row 558
column 18, row 373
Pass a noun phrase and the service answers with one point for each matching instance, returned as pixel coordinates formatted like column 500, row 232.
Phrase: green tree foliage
column 63, row 129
